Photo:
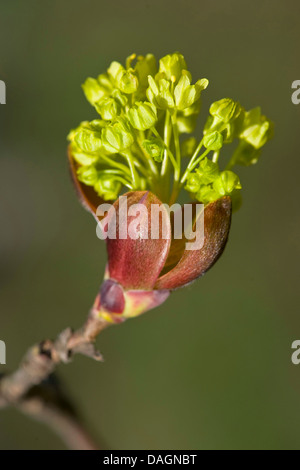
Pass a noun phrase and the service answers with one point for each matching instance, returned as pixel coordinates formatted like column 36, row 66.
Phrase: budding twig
column 23, row 388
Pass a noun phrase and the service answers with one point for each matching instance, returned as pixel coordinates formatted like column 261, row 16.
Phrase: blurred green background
column 210, row 369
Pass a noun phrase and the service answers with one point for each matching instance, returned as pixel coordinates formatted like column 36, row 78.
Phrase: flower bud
column 125, row 80
column 112, row 297
column 154, row 148
column 93, row 90
column 199, row 182
column 226, row 117
column 213, row 141
column 88, row 140
column 226, row 183
column 107, row 186
column 193, row 183
column 208, row 171
column 96, row 89
column 172, row 65
column 115, row 304
column 142, row 116
column 117, row 136
column 225, row 110
column 87, row 175
column 207, row 194
column 81, row 157
column 108, row 108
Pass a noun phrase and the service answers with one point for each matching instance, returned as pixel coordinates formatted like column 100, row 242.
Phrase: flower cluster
column 228, row 121
column 135, row 142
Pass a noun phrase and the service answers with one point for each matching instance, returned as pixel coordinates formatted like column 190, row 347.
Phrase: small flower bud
column 112, row 298
column 81, row 157
column 117, row 136
column 213, row 141
column 193, row 183
column 208, row 171
column 93, row 90
column 108, row 108
column 125, row 80
column 115, row 304
column 226, row 109
column 88, row 140
column 154, row 148
column 107, row 186
column 87, row 175
column 226, row 183
column 142, row 116
column 172, row 65
column 207, row 194
column 199, row 182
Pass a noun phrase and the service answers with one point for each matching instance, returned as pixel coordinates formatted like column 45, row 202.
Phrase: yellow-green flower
column 136, row 143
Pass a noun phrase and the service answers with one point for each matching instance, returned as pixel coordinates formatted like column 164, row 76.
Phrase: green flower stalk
column 139, row 142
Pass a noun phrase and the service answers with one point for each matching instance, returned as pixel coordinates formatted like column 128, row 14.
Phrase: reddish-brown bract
column 194, row 263
column 137, row 263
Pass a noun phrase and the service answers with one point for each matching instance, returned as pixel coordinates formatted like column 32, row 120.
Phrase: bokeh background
column 210, row 369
